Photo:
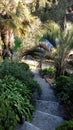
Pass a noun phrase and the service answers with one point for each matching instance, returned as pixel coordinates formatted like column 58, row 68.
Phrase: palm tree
column 62, row 51
column 14, row 18
column 62, row 48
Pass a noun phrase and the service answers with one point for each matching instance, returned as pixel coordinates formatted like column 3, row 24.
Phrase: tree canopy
column 28, row 18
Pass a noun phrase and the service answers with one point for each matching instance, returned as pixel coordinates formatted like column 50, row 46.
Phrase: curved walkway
column 48, row 114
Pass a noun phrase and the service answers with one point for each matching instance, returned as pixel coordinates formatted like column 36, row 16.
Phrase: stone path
column 48, row 114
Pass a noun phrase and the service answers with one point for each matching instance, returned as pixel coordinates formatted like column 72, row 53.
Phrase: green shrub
column 63, row 82
column 68, row 125
column 15, row 69
column 33, row 86
column 20, row 105
column 49, row 72
column 7, row 116
column 64, row 91
column 8, row 67
column 18, row 70
column 11, row 83
column 16, row 88
column 18, row 98
column 24, row 66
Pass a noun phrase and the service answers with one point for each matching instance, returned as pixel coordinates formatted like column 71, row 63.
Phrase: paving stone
column 50, row 107
column 47, row 91
column 46, row 121
column 27, row 126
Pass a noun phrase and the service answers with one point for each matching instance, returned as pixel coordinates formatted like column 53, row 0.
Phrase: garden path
column 48, row 114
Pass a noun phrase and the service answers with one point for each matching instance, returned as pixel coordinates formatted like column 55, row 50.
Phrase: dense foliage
column 52, row 10
column 64, row 91
column 19, row 71
column 16, row 91
column 49, row 72
column 8, row 118
column 68, row 125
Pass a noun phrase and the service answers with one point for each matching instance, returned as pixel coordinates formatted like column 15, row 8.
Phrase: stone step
column 47, row 91
column 48, row 97
column 27, row 126
column 46, row 121
column 50, row 107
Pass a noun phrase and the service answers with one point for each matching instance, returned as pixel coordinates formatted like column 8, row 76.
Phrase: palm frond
column 19, row 18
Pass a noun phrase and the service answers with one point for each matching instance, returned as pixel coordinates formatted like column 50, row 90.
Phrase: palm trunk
column 6, row 36
column 5, row 39
column 59, row 67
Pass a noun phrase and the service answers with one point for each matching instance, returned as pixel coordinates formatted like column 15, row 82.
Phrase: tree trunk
column 6, row 36
column 37, row 5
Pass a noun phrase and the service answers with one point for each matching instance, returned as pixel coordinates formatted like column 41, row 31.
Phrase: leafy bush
column 21, row 106
column 18, row 70
column 16, row 88
column 7, row 67
column 18, row 98
column 64, row 91
column 49, row 72
column 12, row 84
column 63, row 82
column 68, row 125
column 24, row 66
column 7, row 116
column 15, row 69
column 33, row 86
